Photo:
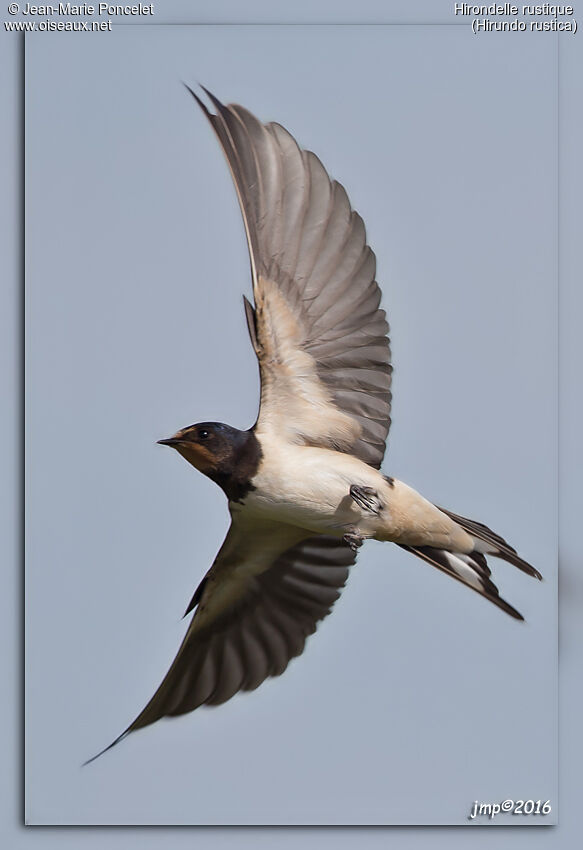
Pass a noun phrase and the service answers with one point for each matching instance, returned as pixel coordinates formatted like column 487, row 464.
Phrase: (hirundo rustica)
column 303, row 484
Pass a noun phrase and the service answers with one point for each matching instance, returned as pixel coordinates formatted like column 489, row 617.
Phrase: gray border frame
column 569, row 181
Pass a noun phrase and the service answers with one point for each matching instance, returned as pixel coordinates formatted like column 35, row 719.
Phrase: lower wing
column 254, row 610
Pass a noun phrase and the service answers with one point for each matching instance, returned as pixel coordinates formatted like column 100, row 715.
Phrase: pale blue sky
column 415, row 697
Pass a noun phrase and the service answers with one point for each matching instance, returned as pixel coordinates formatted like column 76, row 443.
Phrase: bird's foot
column 353, row 538
column 366, row 498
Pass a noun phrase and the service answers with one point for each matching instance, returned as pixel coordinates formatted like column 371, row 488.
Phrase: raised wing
column 317, row 329
column 257, row 604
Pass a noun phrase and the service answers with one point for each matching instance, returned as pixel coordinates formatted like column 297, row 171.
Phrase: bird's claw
column 366, row 498
column 353, row 539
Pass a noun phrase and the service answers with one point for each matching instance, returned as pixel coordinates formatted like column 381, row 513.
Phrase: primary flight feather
column 303, row 484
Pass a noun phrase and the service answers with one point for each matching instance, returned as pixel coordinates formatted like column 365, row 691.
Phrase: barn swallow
column 304, row 485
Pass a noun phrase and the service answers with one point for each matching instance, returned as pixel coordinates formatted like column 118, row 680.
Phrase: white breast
column 309, row 487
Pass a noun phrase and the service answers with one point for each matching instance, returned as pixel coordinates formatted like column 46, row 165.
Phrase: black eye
column 203, row 434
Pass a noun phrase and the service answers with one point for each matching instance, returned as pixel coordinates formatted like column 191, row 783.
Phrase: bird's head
column 210, row 447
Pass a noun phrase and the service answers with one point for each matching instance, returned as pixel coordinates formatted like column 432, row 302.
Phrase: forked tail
column 472, row 569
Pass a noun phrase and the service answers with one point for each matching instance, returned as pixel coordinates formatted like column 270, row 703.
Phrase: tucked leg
column 366, row 498
column 353, row 538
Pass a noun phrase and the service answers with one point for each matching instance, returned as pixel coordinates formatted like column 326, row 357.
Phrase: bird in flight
column 304, row 486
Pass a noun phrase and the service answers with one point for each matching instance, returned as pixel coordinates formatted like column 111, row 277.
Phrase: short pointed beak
column 171, row 441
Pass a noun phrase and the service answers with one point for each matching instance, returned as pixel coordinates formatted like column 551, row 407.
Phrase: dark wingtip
column 197, row 98
column 196, row 597
column 105, row 749
column 216, row 102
